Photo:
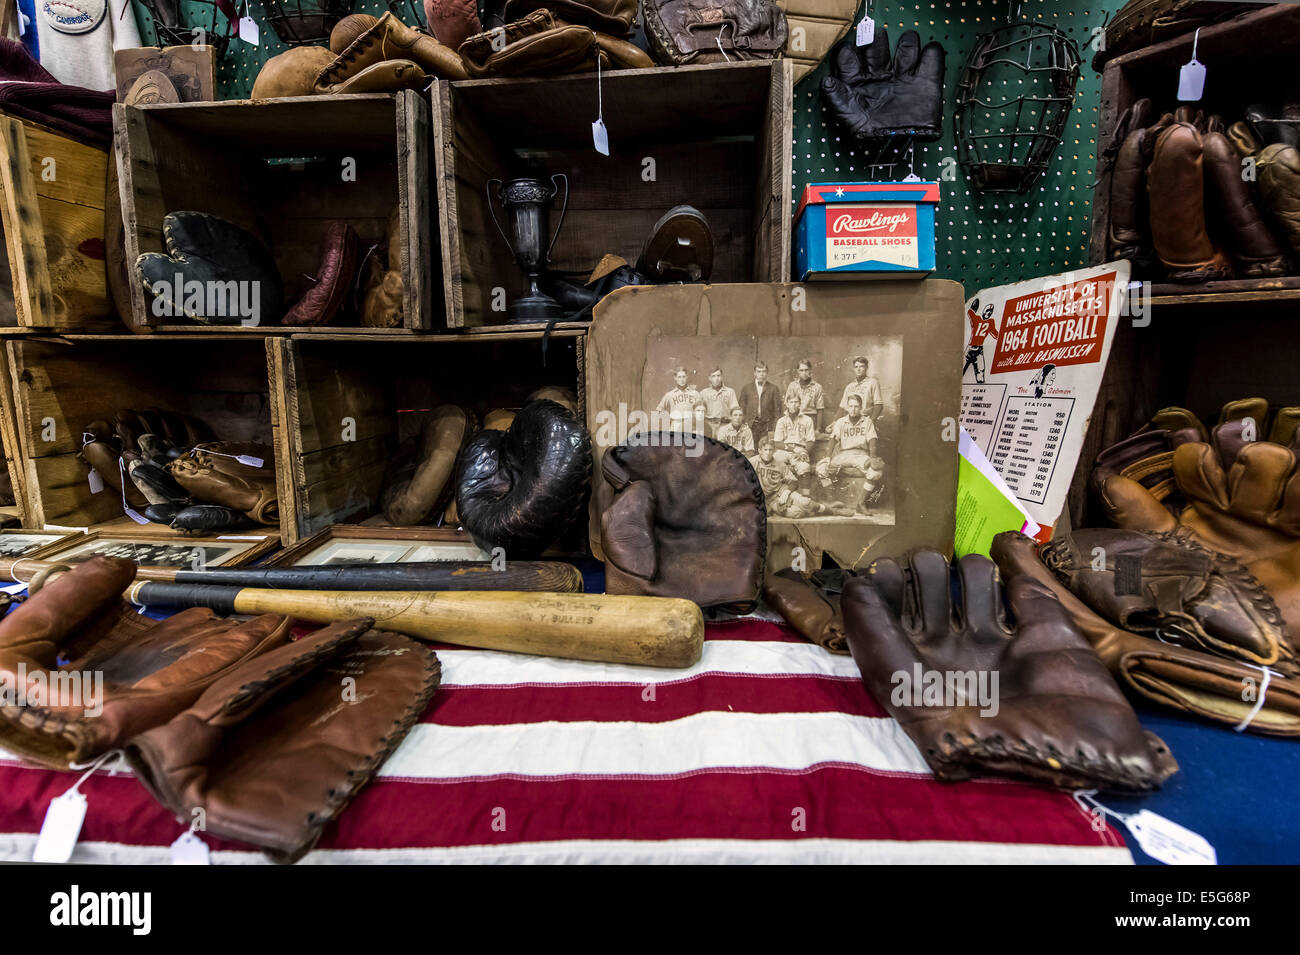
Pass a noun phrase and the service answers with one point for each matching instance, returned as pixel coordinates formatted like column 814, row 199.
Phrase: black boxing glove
column 520, row 489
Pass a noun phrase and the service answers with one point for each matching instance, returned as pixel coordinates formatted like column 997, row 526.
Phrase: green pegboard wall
column 982, row 241
column 998, row 238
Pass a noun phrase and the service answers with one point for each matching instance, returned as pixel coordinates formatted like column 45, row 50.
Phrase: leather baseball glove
column 1207, row 685
column 79, row 625
column 874, row 97
column 1238, row 494
column 810, row 604
column 519, row 489
column 684, row 522
column 419, row 483
column 1172, row 588
column 213, row 474
column 277, row 748
column 1055, row 716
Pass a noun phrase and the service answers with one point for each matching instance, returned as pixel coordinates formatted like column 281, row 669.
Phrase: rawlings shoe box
column 863, row 230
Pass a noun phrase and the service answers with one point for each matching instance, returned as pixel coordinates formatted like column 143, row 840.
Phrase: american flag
column 768, row 750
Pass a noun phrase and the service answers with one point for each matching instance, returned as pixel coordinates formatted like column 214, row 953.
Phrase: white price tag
column 135, row 515
column 96, row 482
column 1191, row 82
column 600, row 137
column 866, row 31
column 249, row 460
column 61, row 828
column 1168, row 842
column 189, row 849
column 248, row 31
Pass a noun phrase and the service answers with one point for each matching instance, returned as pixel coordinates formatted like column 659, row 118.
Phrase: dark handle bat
column 517, row 576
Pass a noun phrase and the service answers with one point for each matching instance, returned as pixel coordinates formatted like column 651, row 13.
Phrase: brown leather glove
column 536, row 45
column 278, row 748
column 614, row 17
column 321, row 303
column 685, row 522
column 1054, row 716
column 78, row 626
column 810, row 604
column 419, row 483
column 388, row 40
column 1129, row 232
column 1206, row 685
column 1254, row 248
column 1176, row 190
column 1277, row 169
column 1172, row 588
column 1242, row 497
column 384, row 286
column 212, row 474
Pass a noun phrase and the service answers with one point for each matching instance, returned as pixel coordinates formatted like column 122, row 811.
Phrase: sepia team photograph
column 815, row 417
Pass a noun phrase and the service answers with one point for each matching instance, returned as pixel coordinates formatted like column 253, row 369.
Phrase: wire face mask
column 1014, row 97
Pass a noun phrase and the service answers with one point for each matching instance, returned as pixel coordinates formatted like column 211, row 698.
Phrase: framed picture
column 844, row 397
column 365, row 544
column 18, row 543
column 197, row 553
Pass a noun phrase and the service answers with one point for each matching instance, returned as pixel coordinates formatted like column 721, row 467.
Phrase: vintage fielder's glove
column 679, row 32
column 810, row 604
column 1056, row 718
column 1176, row 190
column 608, row 16
column 375, row 49
column 1207, row 685
column 216, row 254
column 874, row 98
column 1129, row 231
column 419, row 484
column 213, row 474
column 321, row 303
column 540, row 44
column 519, row 489
column 1277, row 169
column 685, row 521
column 278, row 748
column 1237, row 497
column 1255, row 251
column 151, row 669
column 1172, row 588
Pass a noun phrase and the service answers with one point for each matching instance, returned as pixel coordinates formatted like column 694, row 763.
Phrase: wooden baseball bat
column 648, row 631
column 518, row 575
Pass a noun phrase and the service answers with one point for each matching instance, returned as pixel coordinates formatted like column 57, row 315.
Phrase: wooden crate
column 1192, row 356
column 1237, row 53
column 717, row 137
column 52, row 213
column 279, row 168
column 341, row 407
column 60, row 386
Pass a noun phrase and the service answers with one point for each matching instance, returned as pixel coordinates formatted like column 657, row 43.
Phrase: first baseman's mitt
column 687, row 520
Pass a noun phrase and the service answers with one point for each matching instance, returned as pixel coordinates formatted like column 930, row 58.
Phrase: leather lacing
column 337, row 799
column 1080, row 766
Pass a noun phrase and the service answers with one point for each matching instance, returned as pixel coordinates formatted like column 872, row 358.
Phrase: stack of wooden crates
column 334, row 401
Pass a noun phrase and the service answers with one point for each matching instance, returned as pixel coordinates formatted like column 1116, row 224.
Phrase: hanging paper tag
column 96, row 482
column 248, row 29
column 1191, row 81
column 189, row 849
column 866, row 31
column 61, row 828
column 600, row 137
column 135, row 515
column 1169, row 842
column 248, row 459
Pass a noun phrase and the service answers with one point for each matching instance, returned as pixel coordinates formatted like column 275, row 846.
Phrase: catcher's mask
column 1014, row 97
column 306, row 21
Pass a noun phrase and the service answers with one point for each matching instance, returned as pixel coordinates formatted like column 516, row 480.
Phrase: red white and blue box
column 863, row 230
